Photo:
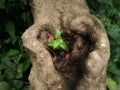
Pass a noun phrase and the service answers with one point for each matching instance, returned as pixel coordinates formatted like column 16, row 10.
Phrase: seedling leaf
column 63, row 45
column 56, row 44
column 50, row 43
column 57, row 33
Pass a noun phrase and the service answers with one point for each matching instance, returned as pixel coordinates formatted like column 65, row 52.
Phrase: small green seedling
column 58, row 42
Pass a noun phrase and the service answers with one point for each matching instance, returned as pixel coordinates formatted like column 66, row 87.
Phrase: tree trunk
column 87, row 41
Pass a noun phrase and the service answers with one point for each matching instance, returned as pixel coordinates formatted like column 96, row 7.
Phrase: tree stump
column 86, row 39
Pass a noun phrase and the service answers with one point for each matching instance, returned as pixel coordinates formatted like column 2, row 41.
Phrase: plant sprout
column 58, row 42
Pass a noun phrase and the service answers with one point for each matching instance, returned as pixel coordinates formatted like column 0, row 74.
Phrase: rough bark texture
column 72, row 17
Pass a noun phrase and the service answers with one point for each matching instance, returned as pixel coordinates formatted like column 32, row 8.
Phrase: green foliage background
column 15, row 17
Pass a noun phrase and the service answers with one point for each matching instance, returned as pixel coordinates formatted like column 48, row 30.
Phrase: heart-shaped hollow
column 79, row 46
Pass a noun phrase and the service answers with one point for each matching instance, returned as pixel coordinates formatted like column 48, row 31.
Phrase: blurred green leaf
column 14, row 40
column 112, row 85
column 2, row 4
column 114, row 70
column 57, row 34
column 117, row 78
column 10, row 73
column 56, row 44
column 63, row 45
column 10, row 28
column 20, row 68
column 111, row 64
column 13, row 52
column 117, row 49
column 18, row 58
column 19, row 85
column 4, row 86
column 8, row 40
column 19, row 75
column 26, row 64
column 26, row 88
column 115, row 35
column 118, row 87
column 116, row 58
column 5, row 62
column 51, row 43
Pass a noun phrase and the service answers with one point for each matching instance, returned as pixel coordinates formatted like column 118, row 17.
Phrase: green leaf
column 50, row 43
column 18, row 58
column 118, row 87
column 116, row 58
column 63, row 45
column 4, row 86
column 12, row 52
column 2, row 4
column 57, row 33
column 19, row 75
column 117, row 49
column 8, row 40
column 10, row 73
column 10, row 28
column 26, row 88
column 14, row 40
column 5, row 62
column 20, row 68
column 19, row 85
column 112, row 85
column 26, row 65
column 56, row 44
column 114, row 34
column 114, row 70
column 117, row 78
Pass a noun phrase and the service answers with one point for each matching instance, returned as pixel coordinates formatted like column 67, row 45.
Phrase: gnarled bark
column 88, row 70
